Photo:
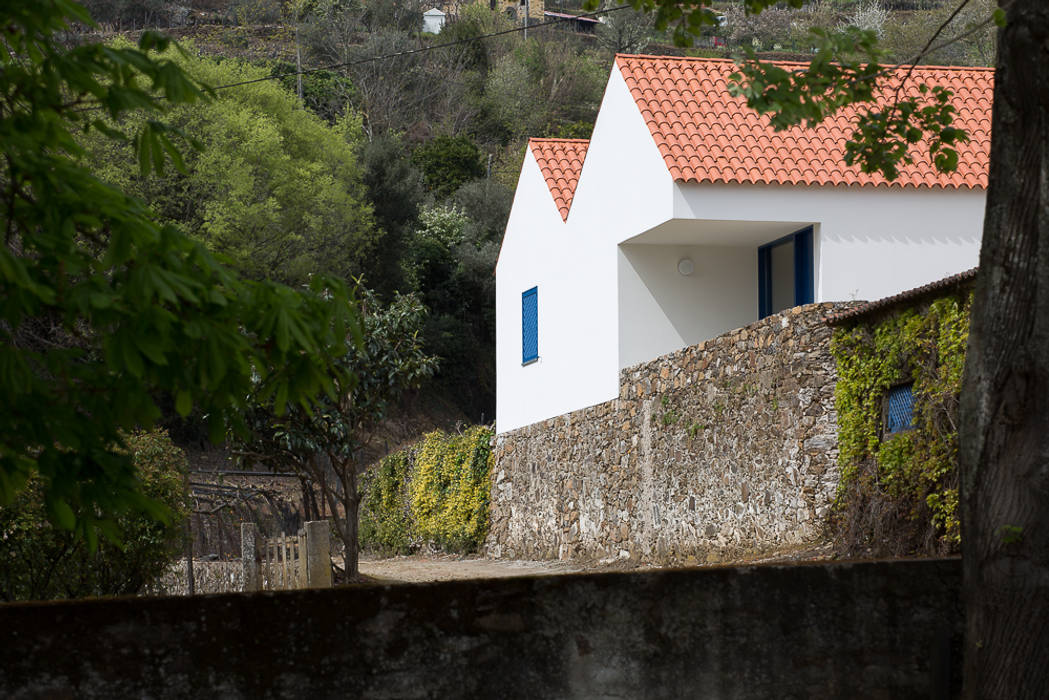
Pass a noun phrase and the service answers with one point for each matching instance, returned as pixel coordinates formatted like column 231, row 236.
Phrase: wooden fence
column 286, row 562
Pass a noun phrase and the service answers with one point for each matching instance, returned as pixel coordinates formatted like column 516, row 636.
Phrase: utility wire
column 396, row 54
column 421, row 49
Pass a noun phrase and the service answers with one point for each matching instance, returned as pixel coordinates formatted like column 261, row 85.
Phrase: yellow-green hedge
column 435, row 493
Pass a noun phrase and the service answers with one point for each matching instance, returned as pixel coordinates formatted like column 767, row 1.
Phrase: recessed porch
column 686, row 280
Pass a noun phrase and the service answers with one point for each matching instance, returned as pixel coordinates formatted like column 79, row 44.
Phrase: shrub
column 39, row 561
column 385, row 515
column 450, row 489
column 448, row 162
column 434, row 493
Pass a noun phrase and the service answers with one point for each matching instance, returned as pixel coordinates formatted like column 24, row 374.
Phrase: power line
column 421, row 49
column 396, row 54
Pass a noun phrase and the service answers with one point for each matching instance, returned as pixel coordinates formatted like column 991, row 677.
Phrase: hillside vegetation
column 393, row 163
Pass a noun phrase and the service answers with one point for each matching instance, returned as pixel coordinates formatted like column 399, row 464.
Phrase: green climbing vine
column 899, row 493
column 434, row 493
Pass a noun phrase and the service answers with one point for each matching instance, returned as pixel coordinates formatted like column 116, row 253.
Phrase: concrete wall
column 728, row 446
column 872, row 630
column 661, row 310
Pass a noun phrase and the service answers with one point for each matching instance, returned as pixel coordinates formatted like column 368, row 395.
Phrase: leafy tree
column 905, row 36
column 447, row 162
column 102, row 309
column 761, row 31
column 273, row 187
column 326, row 92
column 486, row 204
column 624, row 31
column 453, row 274
column 475, row 21
column 131, row 13
column 405, row 90
column 330, row 444
column 542, row 85
column 39, row 561
column 1003, row 446
column 396, row 190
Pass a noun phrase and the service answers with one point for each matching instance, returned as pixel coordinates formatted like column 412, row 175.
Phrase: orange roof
column 561, row 161
column 706, row 135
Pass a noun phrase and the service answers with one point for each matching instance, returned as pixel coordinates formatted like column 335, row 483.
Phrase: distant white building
column 433, row 21
column 685, row 216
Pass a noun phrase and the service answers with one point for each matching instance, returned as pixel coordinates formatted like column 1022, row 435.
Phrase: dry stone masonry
column 721, row 448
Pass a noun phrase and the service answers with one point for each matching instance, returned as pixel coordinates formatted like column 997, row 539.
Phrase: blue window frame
column 530, row 326
column 899, row 409
column 803, row 272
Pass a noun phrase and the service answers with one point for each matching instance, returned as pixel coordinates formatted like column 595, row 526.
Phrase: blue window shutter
column 899, row 414
column 530, row 325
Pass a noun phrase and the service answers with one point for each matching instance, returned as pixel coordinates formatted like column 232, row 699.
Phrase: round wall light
column 685, row 267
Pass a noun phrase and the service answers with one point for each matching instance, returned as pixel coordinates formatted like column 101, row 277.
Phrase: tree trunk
column 1004, row 436
column 351, row 503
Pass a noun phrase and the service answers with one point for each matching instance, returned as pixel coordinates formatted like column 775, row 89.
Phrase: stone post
column 318, row 554
column 249, row 557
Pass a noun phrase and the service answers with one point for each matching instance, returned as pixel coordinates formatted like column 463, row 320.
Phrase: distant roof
column 706, row 135
column 909, row 296
column 433, row 11
column 561, row 161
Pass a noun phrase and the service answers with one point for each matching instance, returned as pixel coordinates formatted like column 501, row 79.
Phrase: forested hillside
column 391, row 161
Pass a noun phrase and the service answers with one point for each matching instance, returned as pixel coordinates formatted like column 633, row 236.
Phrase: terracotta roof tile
column 561, row 161
column 688, row 109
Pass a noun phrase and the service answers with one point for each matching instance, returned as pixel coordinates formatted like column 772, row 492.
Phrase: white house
column 685, row 216
column 433, row 21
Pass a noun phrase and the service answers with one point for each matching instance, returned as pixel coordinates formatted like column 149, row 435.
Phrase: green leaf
column 60, row 513
column 999, row 17
column 183, row 403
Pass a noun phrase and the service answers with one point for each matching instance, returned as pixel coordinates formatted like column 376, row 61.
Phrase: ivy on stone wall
column 434, row 493
column 899, row 493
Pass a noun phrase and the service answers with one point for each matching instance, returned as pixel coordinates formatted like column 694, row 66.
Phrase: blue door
column 785, row 273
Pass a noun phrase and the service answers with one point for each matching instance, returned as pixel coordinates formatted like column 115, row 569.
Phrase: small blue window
column 530, row 326
column 899, row 409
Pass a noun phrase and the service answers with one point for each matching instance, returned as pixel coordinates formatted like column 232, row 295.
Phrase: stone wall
column 208, row 577
column 721, row 448
column 871, row 630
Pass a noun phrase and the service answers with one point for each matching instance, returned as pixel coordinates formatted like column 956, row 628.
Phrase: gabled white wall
column 535, row 248
column 869, row 242
column 624, row 188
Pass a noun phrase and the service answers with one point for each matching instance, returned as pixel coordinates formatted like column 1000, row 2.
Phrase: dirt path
column 421, row 568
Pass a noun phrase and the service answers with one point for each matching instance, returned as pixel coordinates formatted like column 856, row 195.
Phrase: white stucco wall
column 535, row 253
column 661, row 310
column 870, row 242
column 624, row 188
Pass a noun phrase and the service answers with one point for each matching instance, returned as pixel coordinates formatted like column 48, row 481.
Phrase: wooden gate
column 286, row 562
